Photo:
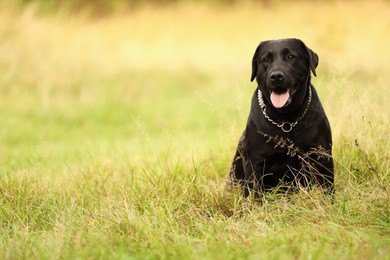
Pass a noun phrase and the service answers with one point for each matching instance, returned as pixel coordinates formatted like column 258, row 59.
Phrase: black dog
column 287, row 141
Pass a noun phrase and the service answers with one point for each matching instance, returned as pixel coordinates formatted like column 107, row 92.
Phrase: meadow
column 117, row 132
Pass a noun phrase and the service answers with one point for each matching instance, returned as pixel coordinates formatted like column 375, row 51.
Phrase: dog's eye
column 291, row 57
column 266, row 60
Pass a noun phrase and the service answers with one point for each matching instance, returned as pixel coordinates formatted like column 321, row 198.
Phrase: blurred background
column 135, row 81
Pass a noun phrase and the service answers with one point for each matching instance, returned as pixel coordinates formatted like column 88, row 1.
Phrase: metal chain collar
column 285, row 126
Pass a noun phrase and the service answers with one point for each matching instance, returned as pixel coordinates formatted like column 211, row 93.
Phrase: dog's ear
column 313, row 59
column 254, row 63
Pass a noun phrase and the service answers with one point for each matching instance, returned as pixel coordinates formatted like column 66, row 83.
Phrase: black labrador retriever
column 287, row 141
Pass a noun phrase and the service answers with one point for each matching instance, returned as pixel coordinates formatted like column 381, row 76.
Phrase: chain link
column 285, row 126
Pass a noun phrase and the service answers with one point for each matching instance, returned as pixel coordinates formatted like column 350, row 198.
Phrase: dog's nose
column 277, row 76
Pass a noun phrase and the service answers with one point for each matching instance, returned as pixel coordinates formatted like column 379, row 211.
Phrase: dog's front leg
column 249, row 178
column 253, row 183
column 325, row 173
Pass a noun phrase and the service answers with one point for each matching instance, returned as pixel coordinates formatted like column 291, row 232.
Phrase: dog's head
column 282, row 70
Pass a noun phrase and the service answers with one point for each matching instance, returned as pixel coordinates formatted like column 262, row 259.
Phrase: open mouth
column 281, row 97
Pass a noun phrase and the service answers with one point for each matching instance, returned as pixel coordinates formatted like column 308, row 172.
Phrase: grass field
column 117, row 133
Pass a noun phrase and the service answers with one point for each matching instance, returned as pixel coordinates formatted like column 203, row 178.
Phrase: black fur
column 267, row 157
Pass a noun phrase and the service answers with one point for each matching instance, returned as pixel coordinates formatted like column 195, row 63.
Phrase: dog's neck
column 285, row 121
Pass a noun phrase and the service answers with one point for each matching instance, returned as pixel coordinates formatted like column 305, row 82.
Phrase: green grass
column 117, row 133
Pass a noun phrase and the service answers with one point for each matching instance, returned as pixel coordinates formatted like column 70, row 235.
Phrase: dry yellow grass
column 348, row 35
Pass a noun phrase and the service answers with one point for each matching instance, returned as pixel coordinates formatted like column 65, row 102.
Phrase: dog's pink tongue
column 279, row 100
